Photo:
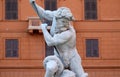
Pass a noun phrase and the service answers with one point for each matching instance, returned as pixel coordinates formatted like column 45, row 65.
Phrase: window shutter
column 11, row 47
column 90, row 9
column 92, row 49
column 11, row 9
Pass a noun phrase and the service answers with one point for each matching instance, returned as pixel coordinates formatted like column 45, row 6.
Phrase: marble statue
column 66, row 61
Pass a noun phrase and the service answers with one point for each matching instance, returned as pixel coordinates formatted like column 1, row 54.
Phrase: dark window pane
column 11, row 9
column 8, row 53
column 47, row 4
column 93, row 6
column 92, row 49
column 87, row 6
column 15, row 53
column 8, row 44
column 87, row 15
column 50, row 5
column 49, row 50
column 90, row 9
column 11, row 48
column 53, row 5
column 95, row 48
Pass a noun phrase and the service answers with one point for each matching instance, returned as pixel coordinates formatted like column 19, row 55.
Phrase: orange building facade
column 22, row 46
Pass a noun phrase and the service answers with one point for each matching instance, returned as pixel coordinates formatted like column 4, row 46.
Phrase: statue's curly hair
column 64, row 12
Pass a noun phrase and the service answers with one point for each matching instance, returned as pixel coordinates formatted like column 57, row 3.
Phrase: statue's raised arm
column 43, row 14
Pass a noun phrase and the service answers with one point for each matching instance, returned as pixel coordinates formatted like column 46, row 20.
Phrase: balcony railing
column 34, row 24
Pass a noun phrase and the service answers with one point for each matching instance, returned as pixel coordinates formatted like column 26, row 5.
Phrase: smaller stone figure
column 54, row 67
column 63, row 37
column 67, row 73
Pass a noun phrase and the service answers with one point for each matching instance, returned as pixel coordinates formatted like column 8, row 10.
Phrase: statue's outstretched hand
column 44, row 26
column 32, row 1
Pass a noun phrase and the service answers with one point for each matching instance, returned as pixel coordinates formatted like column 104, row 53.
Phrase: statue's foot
column 85, row 75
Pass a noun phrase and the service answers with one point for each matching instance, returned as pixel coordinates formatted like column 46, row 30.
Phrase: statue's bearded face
column 63, row 17
column 62, row 23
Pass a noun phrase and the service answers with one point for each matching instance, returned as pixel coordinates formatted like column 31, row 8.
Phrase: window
column 92, row 48
column 50, row 5
column 11, row 47
column 90, row 9
column 11, row 9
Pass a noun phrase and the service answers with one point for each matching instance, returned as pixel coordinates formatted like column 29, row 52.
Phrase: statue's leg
column 76, row 67
column 51, row 68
